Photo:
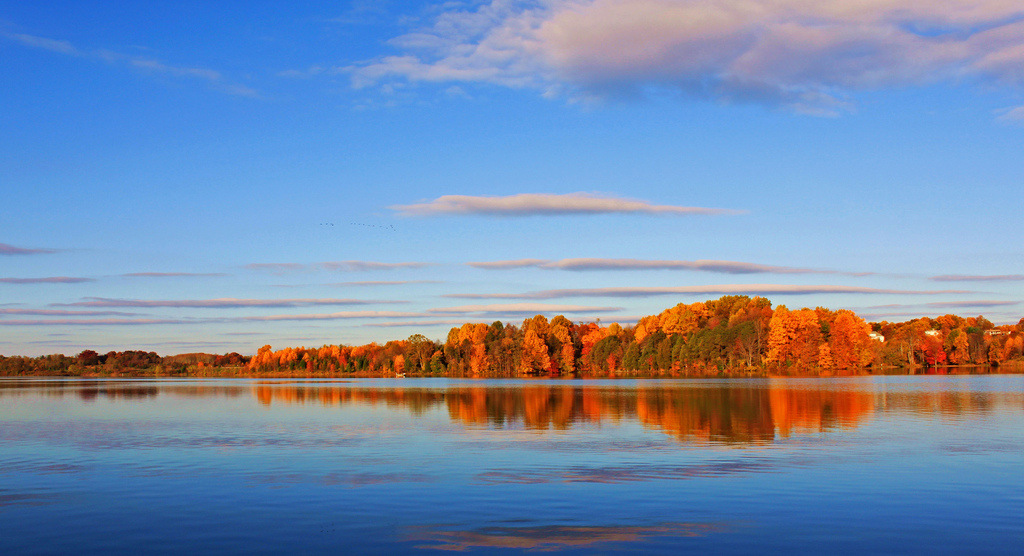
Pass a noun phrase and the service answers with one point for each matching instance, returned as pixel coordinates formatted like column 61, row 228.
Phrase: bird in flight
column 388, row 227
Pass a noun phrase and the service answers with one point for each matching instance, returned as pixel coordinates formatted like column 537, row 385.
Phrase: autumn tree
column 562, row 345
column 534, row 354
column 850, row 343
column 794, row 338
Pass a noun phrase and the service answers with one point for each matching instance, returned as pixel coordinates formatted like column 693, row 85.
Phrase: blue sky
column 180, row 176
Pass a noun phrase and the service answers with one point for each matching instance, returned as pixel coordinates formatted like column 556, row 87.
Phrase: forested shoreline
column 731, row 336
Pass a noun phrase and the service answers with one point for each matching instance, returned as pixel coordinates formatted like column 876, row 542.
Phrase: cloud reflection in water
column 626, row 474
column 554, row 537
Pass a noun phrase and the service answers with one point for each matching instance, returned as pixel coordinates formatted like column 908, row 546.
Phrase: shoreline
column 238, row 372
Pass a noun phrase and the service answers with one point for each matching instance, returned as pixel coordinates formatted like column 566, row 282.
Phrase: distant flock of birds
column 388, row 227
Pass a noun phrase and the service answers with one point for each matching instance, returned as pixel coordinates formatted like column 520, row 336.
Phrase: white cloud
column 808, row 55
column 534, row 204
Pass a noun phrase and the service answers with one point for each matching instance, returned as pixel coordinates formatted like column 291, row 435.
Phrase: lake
column 859, row 465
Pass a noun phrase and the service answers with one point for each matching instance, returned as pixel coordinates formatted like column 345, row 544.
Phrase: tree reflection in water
column 728, row 411
column 740, row 413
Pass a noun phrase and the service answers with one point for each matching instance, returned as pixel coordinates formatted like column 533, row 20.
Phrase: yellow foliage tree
column 566, row 355
column 534, row 356
column 645, row 326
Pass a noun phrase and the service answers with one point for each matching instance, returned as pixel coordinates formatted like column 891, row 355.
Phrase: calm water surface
column 929, row 465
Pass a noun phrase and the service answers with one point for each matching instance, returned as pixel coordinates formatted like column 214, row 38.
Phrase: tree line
column 733, row 334
column 118, row 362
column 730, row 334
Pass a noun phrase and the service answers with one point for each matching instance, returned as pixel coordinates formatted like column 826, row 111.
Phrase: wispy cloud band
column 726, row 289
column 222, row 303
column 91, row 322
column 723, row 267
column 173, row 274
column 60, row 313
column 523, row 309
column 365, row 266
column 340, row 266
column 545, row 204
column 213, row 78
column 47, row 280
column 506, row 265
column 385, row 283
column 976, row 278
column 419, row 323
column 968, row 304
column 277, row 268
column 8, row 249
column 341, row 315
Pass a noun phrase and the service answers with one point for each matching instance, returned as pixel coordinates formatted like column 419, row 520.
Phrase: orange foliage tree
column 794, row 338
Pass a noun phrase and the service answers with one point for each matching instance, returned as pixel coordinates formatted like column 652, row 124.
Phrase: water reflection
column 416, row 400
column 817, row 410
column 28, row 499
column 626, row 474
column 949, row 403
column 550, row 538
column 743, row 413
column 125, row 393
column 538, row 407
column 90, row 390
column 732, row 412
